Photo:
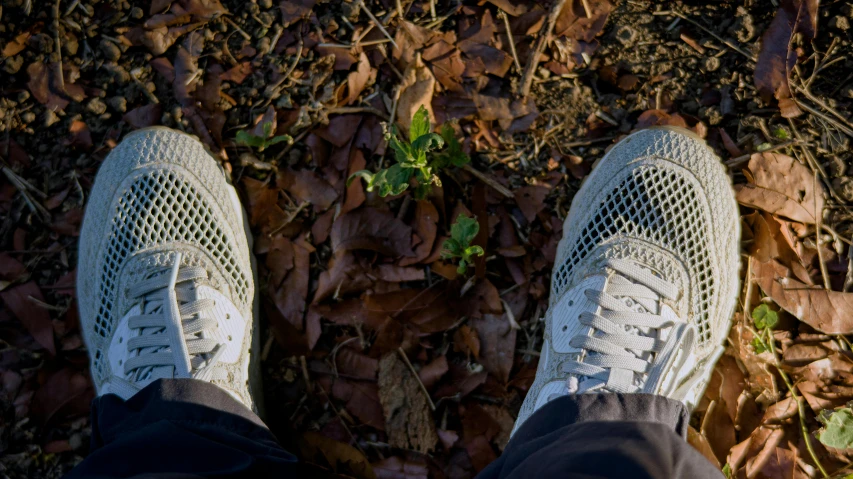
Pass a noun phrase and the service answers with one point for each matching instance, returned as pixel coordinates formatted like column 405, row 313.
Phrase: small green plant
column 416, row 158
column 462, row 232
column 780, row 133
column 764, row 319
column 727, row 471
column 247, row 138
column 837, row 428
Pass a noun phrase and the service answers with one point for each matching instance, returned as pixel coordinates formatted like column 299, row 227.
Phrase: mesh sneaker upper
column 157, row 193
column 662, row 200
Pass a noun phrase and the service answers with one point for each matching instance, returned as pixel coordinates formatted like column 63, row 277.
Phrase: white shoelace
column 173, row 331
column 624, row 341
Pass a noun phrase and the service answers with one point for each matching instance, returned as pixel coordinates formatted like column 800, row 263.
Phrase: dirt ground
column 379, row 358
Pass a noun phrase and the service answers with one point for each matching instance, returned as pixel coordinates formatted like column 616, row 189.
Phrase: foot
column 646, row 277
column 165, row 278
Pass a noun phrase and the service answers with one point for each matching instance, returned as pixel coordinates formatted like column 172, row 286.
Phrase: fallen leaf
column 700, row 443
column 416, row 90
column 237, row 73
column 576, row 23
column 432, row 372
column 426, row 227
column 45, row 87
column 10, row 268
column 306, row 185
column 340, row 457
column 65, row 393
column 17, row 45
column 782, row 186
column 830, row 312
column 372, row 229
column 659, row 118
column 35, row 318
column 80, row 135
column 408, row 419
column 776, row 58
column 497, row 339
column 359, row 79
column 531, row 200
column 396, row 468
column 465, row 340
column 293, row 10
column 144, row 116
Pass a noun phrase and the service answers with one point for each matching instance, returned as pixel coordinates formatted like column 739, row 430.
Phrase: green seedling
column 837, row 428
column 416, row 158
column 764, row 319
column 462, row 232
column 246, row 138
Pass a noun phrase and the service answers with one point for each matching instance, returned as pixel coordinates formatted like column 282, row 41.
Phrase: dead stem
column 418, row 378
column 544, row 35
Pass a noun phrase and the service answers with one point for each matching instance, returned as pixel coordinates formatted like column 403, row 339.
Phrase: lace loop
column 625, row 339
column 172, row 330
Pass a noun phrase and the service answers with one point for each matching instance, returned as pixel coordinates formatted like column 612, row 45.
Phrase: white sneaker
column 646, row 277
column 165, row 277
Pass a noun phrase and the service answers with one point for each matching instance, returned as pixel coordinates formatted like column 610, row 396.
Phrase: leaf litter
column 294, row 98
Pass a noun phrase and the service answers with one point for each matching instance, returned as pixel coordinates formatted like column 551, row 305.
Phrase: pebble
column 136, row 13
column 96, row 106
column 265, row 4
column 626, row 35
column 111, row 51
column 840, row 23
column 847, row 91
column 847, row 10
column 23, row 96
column 711, row 64
column 50, row 117
column 744, row 27
column 28, row 117
column 118, row 103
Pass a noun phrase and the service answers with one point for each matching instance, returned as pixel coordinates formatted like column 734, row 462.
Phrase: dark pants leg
column 181, row 428
column 603, row 435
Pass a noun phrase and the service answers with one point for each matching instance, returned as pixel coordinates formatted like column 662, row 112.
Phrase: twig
column 743, row 158
column 420, row 383
column 377, row 22
column 544, row 35
column 819, row 220
column 709, row 32
column 586, row 9
column 432, row 9
column 489, row 181
column 59, row 73
column 844, row 125
column 343, row 110
column 510, row 39
column 289, row 218
column 239, row 30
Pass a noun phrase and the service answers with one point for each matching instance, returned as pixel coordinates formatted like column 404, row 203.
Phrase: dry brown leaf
column 426, row 227
column 359, row 79
column 293, row 10
column 776, row 57
column 372, row 229
column 782, row 186
column 35, row 318
column 17, row 45
column 416, row 90
column 531, row 200
column 700, row 443
column 408, row 419
column 237, row 73
column 340, row 457
column 830, row 312
column 578, row 24
column 144, row 116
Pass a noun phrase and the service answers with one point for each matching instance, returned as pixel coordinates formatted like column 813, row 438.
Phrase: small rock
column 712, row 113
column 28, row 117
column 96, row 106
column 711, row 64
column 836, row 166
column 743, row 28
column 847, row 91
column 13, row 64
column 118, row 103
column 847, row 10
column 265, row 4
column 111, row 51
column 840, row 23
column 136, row 13
column 626, row 35
column 844, row 187
column 50, row 117
column 70, row 45
column 23, row 96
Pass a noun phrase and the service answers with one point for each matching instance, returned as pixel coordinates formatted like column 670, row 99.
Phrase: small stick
column 818, row 214
column 709, row 32
column 239, row 30
column 59, row 73
column 490, row 182
column 845, row 126
column 378, row 23
column 544, row 35
column 420, row 383
column 289, row 218
column 586, row 9
column 432, row 9
column 509, row 38
column 343, row 110
column 743, row 158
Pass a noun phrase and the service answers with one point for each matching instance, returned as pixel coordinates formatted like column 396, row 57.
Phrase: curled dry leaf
column 144, row 116
column 776, row 58
column 416, row 90
column 782, row 186
column 358, row 80
column 35, row 318
column 577, row 23
column 830, row 312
